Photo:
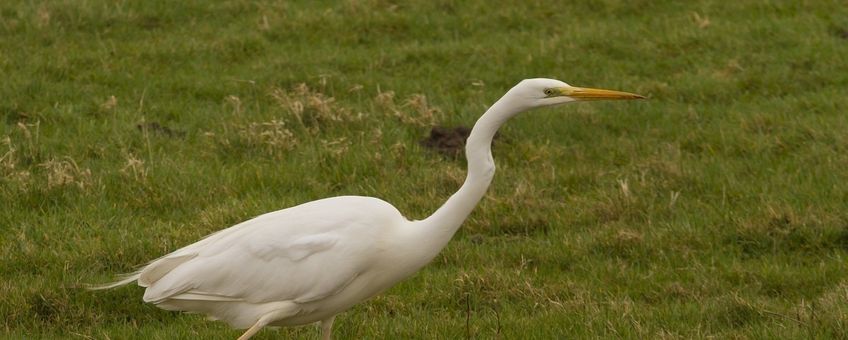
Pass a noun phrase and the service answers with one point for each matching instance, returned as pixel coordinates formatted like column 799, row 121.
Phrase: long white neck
column 439, row 228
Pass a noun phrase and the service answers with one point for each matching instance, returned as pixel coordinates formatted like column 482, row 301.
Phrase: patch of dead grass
column 9, row 168
column 134, row 168
column 312, row 109
column 65, row 172
column 414, row 110
column 830, row 310
column 271, row 135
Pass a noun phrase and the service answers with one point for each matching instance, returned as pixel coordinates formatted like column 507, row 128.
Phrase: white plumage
column 310, row 262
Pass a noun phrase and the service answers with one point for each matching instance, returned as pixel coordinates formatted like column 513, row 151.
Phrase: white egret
column 310, row 262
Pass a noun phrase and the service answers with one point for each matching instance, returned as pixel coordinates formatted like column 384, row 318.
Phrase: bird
column 308, row 263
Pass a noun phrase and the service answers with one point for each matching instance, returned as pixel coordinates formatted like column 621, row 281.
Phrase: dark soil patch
column 840, row 32
column 154, row 127
column 447, row 141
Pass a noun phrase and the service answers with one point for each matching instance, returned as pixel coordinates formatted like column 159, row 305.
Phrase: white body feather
column 324, row 256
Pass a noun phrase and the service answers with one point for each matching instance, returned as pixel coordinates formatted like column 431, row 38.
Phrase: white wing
column 301, row 254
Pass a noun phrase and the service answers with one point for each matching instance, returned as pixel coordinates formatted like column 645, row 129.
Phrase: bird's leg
column 281, row 310
column 327, row 328
column 253, row 329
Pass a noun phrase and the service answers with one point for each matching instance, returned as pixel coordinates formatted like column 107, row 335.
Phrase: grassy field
column 718, row 208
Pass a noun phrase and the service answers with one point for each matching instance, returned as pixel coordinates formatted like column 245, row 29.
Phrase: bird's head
column 540, row 92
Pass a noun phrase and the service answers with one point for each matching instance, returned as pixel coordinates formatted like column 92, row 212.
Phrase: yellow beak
column 585, row 93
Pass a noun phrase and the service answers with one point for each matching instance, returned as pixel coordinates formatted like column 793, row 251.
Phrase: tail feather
column 128, row 278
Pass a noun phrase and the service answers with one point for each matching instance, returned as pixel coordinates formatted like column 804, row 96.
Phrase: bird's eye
column 549, row 92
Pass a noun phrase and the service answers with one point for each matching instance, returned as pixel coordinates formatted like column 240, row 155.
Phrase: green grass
column 718, row 208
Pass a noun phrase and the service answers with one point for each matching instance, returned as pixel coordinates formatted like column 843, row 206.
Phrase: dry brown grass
column 413, row 110
column 311, row 109
column 9, row 168
column 134, row 168
column 65, row 172
column 830, row 310
column 271, row 135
